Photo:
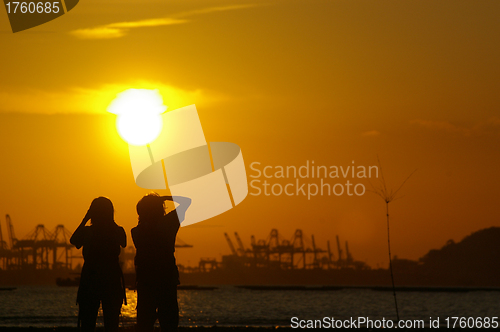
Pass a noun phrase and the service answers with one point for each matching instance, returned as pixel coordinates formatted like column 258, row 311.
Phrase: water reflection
column 49, row 306
column 129, row 311
column 190, row 311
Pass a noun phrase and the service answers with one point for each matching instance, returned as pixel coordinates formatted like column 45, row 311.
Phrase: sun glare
column 139, row 112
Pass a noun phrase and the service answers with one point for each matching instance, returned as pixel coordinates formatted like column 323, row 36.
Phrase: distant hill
column 474, row 261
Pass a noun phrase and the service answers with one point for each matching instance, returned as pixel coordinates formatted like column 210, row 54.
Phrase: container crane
column 240, row 244
column 340, row 251
column 10, row 232
column 348, row 254
column 330, row 255
column 231, row 246
column 3, row 244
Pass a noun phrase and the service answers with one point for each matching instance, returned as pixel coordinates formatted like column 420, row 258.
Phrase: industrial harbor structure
column 277, row 252
column 40, row 249
column 298, row 252
column 43, row 255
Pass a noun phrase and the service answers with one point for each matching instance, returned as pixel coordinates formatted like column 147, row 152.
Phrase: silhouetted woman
column 156, row 271
column 101, row 279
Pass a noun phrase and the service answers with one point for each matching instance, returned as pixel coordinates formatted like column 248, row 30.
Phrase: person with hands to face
column 156, row 270
column 101, row 278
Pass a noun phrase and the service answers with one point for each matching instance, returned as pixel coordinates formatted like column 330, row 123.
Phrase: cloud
column 215, row 9
column 120, row 29
column 98, row 33
column 371, row 133
column 488, row 127
column 86, row 100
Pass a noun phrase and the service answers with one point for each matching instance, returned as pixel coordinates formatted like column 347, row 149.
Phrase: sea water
column 52, row 306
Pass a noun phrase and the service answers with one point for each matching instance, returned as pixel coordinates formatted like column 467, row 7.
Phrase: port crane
column 3, row 244
column 10, row 231
column 276, row 252
column 231, row 246
column 4, row 252
column 339, row 261
column 240, row 244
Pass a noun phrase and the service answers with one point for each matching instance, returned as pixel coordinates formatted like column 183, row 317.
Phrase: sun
column 139, row 112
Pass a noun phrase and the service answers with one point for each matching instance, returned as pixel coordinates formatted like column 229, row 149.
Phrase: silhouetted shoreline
column 468, row 263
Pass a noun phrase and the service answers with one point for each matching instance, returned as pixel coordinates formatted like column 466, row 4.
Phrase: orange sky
column 415, row 82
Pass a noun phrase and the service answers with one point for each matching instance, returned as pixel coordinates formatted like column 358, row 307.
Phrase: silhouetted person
column 156, row 271
column 101, row 279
